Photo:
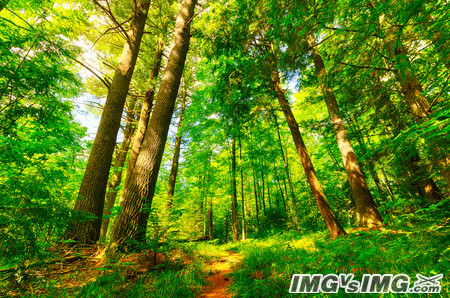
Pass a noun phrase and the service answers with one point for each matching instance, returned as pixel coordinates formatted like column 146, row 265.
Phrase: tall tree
column 234, row 212
column 368, row 215
column 93, row 187
column 139, row 194
column 144, row 115
column 242, row 188
column 119, row 162
column 330, row 219
column 176, row 152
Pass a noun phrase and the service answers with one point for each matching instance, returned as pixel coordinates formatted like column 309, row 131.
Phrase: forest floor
column 218, row 275
column 261, row 267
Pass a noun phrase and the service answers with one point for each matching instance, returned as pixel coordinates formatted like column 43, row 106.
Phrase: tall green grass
column 269, row 263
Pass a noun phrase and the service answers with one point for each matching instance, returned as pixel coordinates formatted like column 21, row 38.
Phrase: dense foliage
column 279, row 106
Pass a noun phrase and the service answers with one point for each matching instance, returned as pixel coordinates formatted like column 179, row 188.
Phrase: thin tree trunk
column 226, row 227
column 210, row 220
column 367, row 211
column 256, row 200
column 139, row 194
column 281, row 191
column 144, row 117
column 91, row 196
column 293, row 208
column 176, row 153
column 234, row 213
column 121, row 155
column 263, row 195
column 330, row 219
column 242, row 189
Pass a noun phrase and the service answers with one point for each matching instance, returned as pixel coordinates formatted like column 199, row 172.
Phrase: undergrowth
column 268, row 264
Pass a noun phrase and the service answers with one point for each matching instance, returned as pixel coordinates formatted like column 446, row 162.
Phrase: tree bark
column 139, row 194
column 93, row 186
column 234, row 213
column 119, row 162
column 367, row 211
column 330, row 219
column 144, row 117
column 176, row 153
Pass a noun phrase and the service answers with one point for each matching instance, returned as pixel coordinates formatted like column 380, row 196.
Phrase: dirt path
column 218, row 280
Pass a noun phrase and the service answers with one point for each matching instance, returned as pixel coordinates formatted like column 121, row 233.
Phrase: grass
column 269, row 263
column 266, row 269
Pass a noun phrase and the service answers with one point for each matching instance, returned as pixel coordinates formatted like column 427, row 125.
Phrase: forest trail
column 218, row 281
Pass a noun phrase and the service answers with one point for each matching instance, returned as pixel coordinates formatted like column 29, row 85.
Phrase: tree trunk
column 176, row 153
column 330, row 219
column 281, row 191
column 93, row 186
column 234, row 213
column 210, row 221
column 293, row 208
column 242, row 189
column 420, row 108
column 139, row 194
column 263, row 194
column 144, row 117
column 121, row 155
column 367, row 211
column 256, row 200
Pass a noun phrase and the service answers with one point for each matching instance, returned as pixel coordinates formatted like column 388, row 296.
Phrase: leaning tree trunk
column 330, row 219
column 367, row 211
column 234, row 213
column 176, row 153
column 93, row 186
column 119, row 162
column 142, row 184
column 144, row 116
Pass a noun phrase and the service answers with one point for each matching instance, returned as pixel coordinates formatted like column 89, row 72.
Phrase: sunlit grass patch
column 269, row 264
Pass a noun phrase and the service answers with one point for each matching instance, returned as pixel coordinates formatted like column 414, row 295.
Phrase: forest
column 218, row 148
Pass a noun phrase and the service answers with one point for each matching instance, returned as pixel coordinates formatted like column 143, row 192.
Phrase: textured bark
column 93, row 186
column 366, row 209
column 176, row 153
column 234, row 213
column 144, row 117
column 119, row 162
column 141, row 188
column 330, row 219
